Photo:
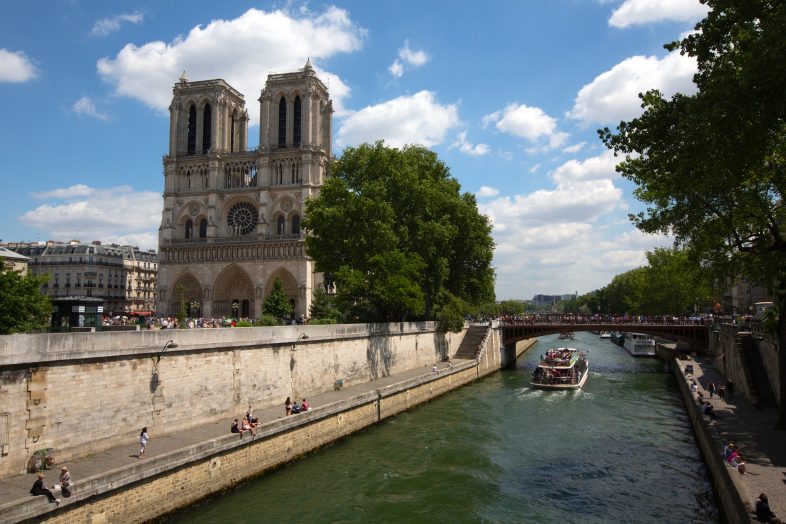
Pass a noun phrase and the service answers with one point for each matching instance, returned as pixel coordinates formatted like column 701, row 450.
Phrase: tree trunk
column 780, row 331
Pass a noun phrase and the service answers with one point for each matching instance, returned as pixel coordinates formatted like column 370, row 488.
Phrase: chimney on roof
column 96, row 242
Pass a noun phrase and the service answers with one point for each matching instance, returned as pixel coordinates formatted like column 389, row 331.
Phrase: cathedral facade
column 231, row 219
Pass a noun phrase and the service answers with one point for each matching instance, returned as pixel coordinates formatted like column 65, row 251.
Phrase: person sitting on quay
column 762, row 509
column 709, row 410
column 727, row 449
column 248, row 427
column 39, row 489
column 304, row 406
column 236, row 428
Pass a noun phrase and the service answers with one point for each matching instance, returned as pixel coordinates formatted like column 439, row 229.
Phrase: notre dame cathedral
column 231, row 219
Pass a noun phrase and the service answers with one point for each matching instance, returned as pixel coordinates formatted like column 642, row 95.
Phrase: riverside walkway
column 15, row 490
column 750, row 428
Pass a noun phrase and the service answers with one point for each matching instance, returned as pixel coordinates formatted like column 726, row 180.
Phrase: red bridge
column 695, row 335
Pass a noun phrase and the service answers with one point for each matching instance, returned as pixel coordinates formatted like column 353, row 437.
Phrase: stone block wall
column 65, row 386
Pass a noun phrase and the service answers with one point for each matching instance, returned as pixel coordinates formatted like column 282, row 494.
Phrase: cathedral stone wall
column 231, row 217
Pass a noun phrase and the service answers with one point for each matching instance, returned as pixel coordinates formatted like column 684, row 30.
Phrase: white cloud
column 613, row 95
column 16, row 67
column 465, row 147
column 275, row 41
column 486, row 191
column 530, row 123
column 413, row 58
column 396, row 68
column 78, row 190
column 638, row 12
column 416, row 119
column 117, row 214
column 575, row 148
column 86, row 106
column 408, row 56
column 534, row 168
column 107, row 26
column 595, row 168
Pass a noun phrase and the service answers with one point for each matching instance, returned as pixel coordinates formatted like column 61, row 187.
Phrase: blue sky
column 508, row 93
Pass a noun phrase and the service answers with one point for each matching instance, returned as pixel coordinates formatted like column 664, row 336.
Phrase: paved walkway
column 751, row 430
column 18, row 487
column 738, row 421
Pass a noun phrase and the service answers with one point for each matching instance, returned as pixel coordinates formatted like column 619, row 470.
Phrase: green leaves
column 23, row 307
column 394, row 229
column 277, row 303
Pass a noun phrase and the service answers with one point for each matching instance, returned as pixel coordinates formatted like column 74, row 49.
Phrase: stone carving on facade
column 286, row 204
column 193, row 209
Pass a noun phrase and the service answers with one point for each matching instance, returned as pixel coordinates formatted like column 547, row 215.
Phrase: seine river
column 621, row 450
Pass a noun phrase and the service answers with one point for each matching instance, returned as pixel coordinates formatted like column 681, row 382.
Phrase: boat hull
column 639, row 347
column 561, row 387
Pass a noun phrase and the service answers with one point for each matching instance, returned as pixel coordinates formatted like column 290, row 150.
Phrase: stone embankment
column 736, row 420
column 198, row 461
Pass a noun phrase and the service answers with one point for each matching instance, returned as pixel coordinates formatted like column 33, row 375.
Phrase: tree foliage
column 399, row 238
column 23, row 307
column 323, row 309
column 277, row 303
column 710, row 166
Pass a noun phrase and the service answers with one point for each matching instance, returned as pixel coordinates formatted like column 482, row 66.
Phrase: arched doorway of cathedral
column 233, row 294
column 289, row 285
column 186, row 294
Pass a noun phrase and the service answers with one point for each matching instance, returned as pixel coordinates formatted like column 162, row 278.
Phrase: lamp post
column 194, row 309
column 169, row 344
column 234, row 310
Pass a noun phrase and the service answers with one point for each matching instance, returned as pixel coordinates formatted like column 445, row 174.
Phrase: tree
column 399, row 238
column 323, row 308
column 710, row 165
column 277, row 303
column 23, row 307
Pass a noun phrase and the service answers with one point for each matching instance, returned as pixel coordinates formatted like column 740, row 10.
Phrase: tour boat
column 561, row 368
column 639, row 344
column 566, row 335
column 618, row 338
column 605, row 334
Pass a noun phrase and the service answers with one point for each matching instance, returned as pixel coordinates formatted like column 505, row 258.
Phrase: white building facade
column 231, row 219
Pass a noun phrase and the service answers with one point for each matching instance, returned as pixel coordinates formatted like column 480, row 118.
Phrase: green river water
column 497, row 451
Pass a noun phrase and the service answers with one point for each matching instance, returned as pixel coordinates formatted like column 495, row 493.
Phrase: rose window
column 242, row 218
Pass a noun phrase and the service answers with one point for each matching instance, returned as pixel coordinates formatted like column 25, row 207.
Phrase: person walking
column 65, row 482
column 143, row 436
column 711, row 388
column 288, row 405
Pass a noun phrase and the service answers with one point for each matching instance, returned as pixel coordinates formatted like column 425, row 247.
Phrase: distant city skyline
column 509, row 98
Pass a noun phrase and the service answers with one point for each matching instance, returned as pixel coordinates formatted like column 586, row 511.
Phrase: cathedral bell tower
column 231, row 220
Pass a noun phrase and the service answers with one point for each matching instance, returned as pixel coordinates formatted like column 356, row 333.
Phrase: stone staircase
column 759, row 382
column 468, row 350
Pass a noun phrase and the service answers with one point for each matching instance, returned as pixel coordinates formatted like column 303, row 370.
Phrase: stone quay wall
column 727, row 494
column 57, row 389
column 163, row 484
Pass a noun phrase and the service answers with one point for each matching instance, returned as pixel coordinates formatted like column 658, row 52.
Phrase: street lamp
column 169, row 344
column 234, row 309
column 194, row 308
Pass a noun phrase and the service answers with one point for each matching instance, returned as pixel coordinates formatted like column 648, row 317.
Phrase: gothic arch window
column 297, row 127
column 280, row 225
column 203, row 228
column 296, row 225
column 232, row 130
column 189, row 229
column 192, row 127
column 282, row 122
column 207, row 127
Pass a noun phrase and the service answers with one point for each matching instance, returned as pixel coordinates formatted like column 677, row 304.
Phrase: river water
column 620, row 450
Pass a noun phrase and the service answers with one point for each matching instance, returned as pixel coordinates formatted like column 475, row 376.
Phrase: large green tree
column 710, row 166
column 22, row 305
column 400, row 239
column 277, row 304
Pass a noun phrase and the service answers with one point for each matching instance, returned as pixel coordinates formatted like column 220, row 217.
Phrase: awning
column 142, row 313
